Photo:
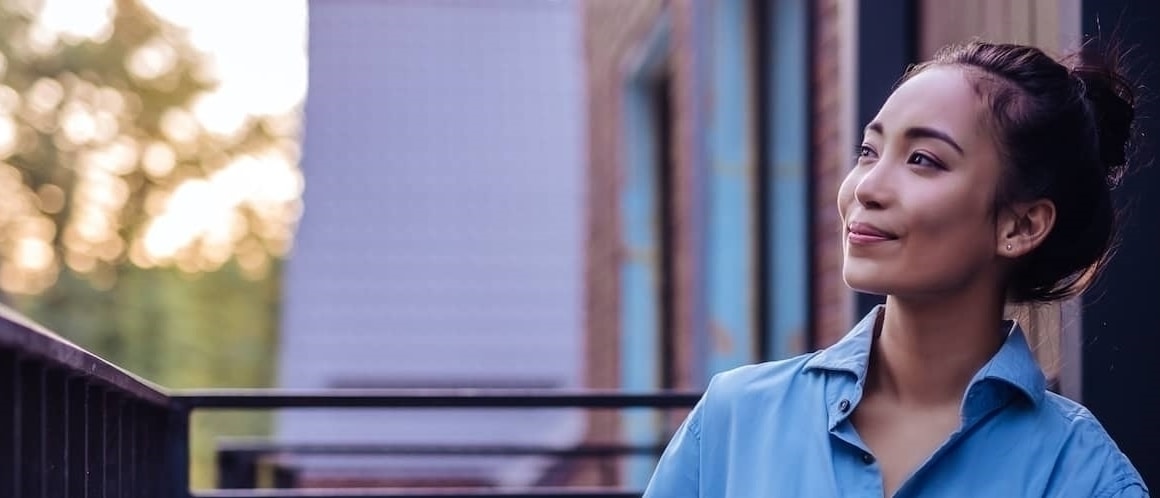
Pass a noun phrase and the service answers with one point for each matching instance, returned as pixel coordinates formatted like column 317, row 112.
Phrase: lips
column 866, row 233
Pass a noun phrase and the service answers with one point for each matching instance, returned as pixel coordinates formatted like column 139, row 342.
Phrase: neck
column 927, row 352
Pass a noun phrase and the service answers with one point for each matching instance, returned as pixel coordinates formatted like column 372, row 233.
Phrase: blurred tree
column 141, row 215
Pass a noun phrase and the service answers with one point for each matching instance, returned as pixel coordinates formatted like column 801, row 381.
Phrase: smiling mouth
column 863, row 239
column 863, row 234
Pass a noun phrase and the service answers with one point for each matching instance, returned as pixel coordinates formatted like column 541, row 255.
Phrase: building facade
column 716, row 145
column 719, row 132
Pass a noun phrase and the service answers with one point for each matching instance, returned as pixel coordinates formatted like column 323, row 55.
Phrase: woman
column 984, row 179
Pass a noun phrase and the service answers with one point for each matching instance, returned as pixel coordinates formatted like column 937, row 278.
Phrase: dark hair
column 1063, row 132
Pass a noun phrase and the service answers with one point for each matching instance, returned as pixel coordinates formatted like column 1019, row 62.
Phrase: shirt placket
column 857, row 470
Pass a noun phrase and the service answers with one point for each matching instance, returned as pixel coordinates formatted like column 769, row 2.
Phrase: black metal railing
column 239, row 460
column 74, row 425
column 242, row 470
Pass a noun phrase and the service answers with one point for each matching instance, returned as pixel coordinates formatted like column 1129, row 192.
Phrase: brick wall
column 613, row 29
column 831, row 152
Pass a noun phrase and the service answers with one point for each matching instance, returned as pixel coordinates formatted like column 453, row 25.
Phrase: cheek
column 952, row 226
column 846, row 192
column 949, row 210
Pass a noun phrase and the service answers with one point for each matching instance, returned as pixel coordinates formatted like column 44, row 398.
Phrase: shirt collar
column 852, row 352
column 1013, row 365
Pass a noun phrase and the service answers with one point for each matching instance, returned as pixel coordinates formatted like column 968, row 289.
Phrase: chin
column 866, row 288
column 866, row 278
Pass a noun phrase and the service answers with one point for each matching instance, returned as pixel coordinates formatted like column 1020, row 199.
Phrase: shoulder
column 1077, row 424
column 760, row 386
column 761, row 377
column 737, row 403
column 1086, row 449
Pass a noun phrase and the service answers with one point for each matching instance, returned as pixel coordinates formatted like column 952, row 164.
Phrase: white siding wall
column 442, row 234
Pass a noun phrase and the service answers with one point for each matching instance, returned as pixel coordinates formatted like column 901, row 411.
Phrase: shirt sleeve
column 1133, row 490
column 678, row 472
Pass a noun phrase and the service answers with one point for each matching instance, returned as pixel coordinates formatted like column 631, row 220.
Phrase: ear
column 1023, row 227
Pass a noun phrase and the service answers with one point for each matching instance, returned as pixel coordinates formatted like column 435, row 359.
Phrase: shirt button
column 867, row 458
column 844, row 405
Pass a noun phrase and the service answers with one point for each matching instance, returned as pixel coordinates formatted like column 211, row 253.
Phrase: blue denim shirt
column 782, row 429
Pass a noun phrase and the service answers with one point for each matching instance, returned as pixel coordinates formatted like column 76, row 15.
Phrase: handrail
column 265, row 447
column 20, row 334
column 419, row 493
column 428, row 398
column 238, row 459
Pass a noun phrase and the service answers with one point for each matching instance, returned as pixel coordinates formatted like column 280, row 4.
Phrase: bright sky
column 258, row 51
column 257, row 54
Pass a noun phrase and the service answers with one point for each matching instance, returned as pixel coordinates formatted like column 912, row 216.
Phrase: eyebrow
column 919, row 132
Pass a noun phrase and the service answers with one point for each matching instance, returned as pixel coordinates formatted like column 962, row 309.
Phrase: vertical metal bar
column 9, row 424
column 149, row 435
column 129, row 445
column 158, row 445
column 146, row 435
column 237, row 470
column 124, row 428
column 76, row 444
column 32, row 429
column 121, row 470
column 56, row 433
column 145, row 440
column 226, row 466
column 95, row 461
column 285, row 477
column 177, row 452
column 112, row 444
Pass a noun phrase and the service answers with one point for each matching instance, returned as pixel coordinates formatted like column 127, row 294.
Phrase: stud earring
column 1008, row 247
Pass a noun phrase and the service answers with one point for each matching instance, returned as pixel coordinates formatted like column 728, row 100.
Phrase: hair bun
column 1111, row 100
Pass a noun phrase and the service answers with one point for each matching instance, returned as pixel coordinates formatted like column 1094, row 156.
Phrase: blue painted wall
column 640, row 271
column 788, row 137
column 730, row 242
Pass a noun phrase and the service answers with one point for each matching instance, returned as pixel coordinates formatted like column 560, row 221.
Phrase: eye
column 864, row 151
column 924, row 160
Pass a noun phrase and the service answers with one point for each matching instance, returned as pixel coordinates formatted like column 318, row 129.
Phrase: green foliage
column 74, row 199
column 178, row 330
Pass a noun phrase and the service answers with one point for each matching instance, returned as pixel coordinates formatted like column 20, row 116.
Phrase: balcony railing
column 239, row 460
column 78, row 426
column 72, row 424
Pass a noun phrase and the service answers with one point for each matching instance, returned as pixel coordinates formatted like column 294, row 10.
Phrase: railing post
column 177, row 452
column 94, row 441
column 9, row 424
column 285, row 477
column 77, row 442
column 130, row 450
column 144, row 477
column 32, row 430
column 236, row 470
column 55, row 435
column 155, row 451
column 111, row 469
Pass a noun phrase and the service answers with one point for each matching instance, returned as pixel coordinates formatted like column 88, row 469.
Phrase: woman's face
column 917, row 206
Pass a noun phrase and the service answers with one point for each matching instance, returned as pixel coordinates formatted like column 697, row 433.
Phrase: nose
column 873, row 190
